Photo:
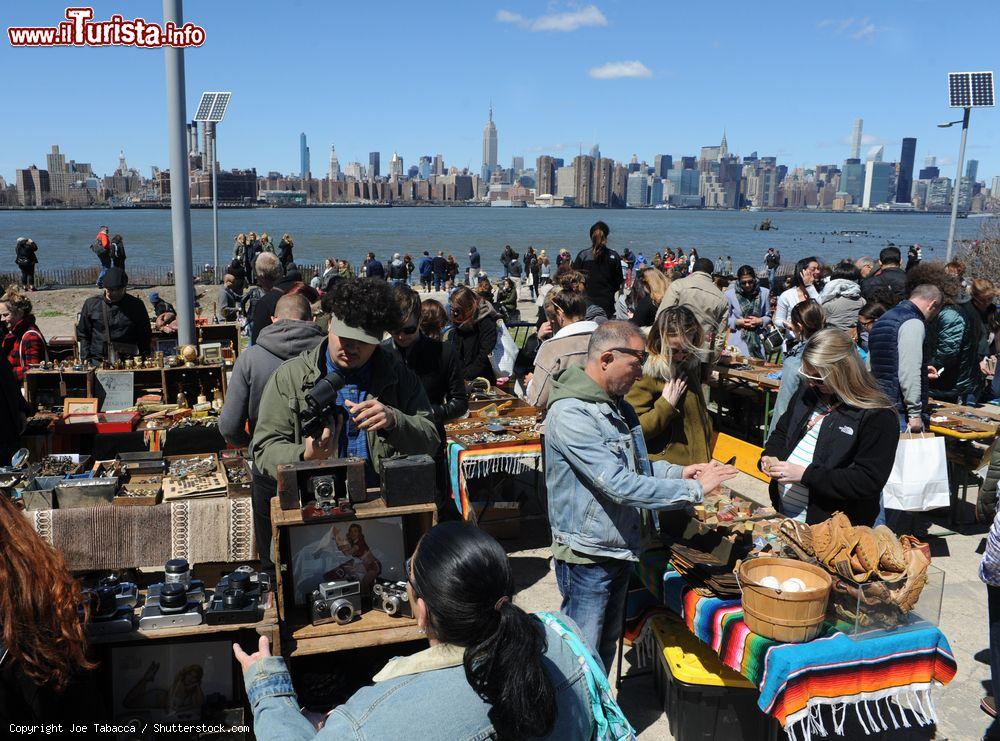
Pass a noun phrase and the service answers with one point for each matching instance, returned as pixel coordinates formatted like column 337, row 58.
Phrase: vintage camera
column 321, row 405
column 391, row 598
column 335, row 602
column 126, row 593
column 177, row 571
column 174, row 609
column 240, row 597
column 107, row 617
column 408, row 479
column 322, row 489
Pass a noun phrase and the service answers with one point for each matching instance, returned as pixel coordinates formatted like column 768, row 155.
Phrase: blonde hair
column 676, row 321
column 16, row 301
column 832, row 354
column 656, row 282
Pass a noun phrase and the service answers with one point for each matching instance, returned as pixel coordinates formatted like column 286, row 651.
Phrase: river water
column 64, row 237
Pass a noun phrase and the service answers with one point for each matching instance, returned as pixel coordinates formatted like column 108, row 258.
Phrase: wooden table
column 754, row 378
column 299, row 637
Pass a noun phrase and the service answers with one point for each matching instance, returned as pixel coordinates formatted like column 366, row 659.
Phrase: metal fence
column 138, row 277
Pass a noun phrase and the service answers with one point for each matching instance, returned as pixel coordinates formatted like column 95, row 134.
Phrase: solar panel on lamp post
column 211, row 110
column 966, row 90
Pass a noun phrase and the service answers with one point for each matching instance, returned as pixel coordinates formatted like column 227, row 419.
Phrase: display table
column 218, row 529
column 872, row 678
column 472, row 462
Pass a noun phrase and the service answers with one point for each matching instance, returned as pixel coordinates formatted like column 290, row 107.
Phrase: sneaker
column 989, row 706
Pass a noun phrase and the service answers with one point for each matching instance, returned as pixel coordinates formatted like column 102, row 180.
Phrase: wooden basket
column 790, row 617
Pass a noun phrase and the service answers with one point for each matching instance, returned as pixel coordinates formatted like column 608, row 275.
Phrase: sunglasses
column 640, row 355
column 818, row 379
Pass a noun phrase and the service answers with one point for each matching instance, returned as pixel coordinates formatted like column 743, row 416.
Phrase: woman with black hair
column 803, row 288
column 491, row 671
column 602, row 268
column 118, row 251
column 749, row 313
column 26, row 258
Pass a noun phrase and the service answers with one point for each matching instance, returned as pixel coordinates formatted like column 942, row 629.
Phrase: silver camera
column 391, row 598
column 335, row 602
column 175, row 609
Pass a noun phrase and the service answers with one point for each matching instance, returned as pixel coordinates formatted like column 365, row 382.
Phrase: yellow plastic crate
column 690, row 661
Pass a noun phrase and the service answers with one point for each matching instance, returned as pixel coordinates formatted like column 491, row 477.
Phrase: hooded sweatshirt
column 276, row 343
column 841, row 300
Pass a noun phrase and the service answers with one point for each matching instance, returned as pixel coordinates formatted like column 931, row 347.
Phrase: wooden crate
column 374, row 628
column 78, row 384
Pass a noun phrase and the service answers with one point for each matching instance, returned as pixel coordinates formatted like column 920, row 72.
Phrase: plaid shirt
column 24, row 346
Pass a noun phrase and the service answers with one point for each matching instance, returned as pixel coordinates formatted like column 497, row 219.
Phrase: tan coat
column 682, row 434
column 699, row 293
column 566, row 348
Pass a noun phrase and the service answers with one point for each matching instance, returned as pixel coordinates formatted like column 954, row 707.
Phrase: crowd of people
column 618, row 362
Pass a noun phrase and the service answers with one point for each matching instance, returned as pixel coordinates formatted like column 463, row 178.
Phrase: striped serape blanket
column 474, row 463
column 886, row 680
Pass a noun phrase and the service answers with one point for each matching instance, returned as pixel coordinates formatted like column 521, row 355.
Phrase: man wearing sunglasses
column 599, row 476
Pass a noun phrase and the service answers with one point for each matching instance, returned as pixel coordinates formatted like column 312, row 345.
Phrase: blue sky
column 782, row 78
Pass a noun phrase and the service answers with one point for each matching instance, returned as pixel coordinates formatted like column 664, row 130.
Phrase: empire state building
column 489, row 148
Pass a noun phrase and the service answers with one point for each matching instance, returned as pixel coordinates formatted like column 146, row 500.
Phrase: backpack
column 96, row 247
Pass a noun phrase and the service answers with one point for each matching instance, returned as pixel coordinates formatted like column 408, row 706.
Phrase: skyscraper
column 878, row 176
column 424, row 169
column 852, row 180
column 595, row 152
column 373, row 164
column 396, row 166
column 334, row 173
column 517, row 165
column 875, row 154
column 438, row 166
column 972, row 170
column 489, row 148
column 583, row 168
column 303, row 157
column 545, row 174
column 904, row 180
column 856, row 139
column 662, row 164
column 633, row 164
column 637, row 190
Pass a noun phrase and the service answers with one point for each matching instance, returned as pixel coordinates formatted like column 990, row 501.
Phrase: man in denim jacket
column 598, row 476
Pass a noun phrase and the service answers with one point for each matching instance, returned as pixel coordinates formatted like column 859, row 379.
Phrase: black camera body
column 392, row 598
column 322, row 489
column 408, row 479
column 126, row 593
column 321, row 405
column 174, row 609
column 107, row 616
column 240, row 597
column 335, row 602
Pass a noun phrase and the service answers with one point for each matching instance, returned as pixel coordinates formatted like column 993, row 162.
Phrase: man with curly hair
column 387, row 409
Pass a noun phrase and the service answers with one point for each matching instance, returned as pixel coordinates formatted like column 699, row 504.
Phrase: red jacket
column 24, row 346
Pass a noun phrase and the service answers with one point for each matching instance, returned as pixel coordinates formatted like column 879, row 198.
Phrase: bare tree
column 982, row 256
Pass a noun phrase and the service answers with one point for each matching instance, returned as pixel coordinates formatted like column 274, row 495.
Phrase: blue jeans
column 100, row 275
column 593, row 595
column 993, row 606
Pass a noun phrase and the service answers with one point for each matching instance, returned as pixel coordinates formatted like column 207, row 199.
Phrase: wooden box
column 299, row 636
column 292, row 477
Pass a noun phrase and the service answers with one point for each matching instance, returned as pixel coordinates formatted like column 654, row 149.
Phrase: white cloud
column 615, row 70
column 858, row 29
column 570, row 20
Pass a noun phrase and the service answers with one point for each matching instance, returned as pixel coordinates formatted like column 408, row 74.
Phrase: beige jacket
column 566, row 347
column 699, row 293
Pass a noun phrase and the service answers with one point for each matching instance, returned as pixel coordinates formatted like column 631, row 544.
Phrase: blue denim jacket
column 598, row 473
column 430, row 704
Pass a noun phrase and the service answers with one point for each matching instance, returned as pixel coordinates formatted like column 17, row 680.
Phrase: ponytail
column 464, row 578
column 599, row 239
column 506, row 671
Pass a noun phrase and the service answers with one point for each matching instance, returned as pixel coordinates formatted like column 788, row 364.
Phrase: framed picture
column 79, row 406
column 211, row 352
column 355, row 550
column 171, row 682
column 166, row 346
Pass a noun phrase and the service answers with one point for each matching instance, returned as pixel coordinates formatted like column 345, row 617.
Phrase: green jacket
column 955, row 341
column 277, row 437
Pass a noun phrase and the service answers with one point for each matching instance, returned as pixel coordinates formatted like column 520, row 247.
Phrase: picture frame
column 360, row 550
column 171, row 682
column 167, row 346
column 79, row 406
column 211, row 352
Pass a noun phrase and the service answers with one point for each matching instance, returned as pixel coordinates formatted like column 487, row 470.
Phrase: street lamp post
column 967, row 90
column 211, row 110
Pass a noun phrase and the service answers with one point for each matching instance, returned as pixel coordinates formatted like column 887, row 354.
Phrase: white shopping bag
column 504, row 352
column 919, row 478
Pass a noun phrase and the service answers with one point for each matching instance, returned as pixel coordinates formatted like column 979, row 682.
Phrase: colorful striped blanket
column 464, row 464
column 886, row 680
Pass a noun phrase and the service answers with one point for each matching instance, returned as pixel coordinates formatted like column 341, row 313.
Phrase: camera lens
column 390, row 605
column 103, row 602
column 173, row 598
column 177, row 571
column 342, row 611
column 239, row 580
column 324, row 489
column 234, row 599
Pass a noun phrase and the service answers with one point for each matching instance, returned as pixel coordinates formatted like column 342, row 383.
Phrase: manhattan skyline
column 562, row 78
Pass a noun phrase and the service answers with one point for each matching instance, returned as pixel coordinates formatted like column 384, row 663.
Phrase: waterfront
column 64, row 237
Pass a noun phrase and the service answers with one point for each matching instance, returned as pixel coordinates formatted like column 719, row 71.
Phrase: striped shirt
column 795, row 497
